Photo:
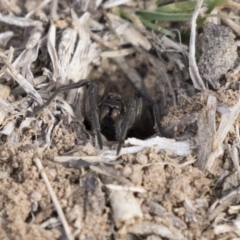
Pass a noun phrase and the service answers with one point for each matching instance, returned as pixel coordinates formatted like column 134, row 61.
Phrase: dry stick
column 102, row 41
column 40, row 6
column 224, row 203
column 234, row 155
column 193, row 69
column 54, row 6
column 63, row 88
column 233, row 25
column 130, row 72
column 28, row 88
column 19, row 21
column 227, row 121
column 54, row 198
column 9, row 59
column 237, row 133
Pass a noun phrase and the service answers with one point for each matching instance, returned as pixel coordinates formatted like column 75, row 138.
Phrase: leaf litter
column 54, row 181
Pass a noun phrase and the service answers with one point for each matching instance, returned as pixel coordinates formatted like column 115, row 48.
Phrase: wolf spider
column 108, row 115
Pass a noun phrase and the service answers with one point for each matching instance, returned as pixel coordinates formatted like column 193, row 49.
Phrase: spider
column 107, row 115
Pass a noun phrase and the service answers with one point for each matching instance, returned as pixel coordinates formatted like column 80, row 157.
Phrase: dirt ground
column 55, row 182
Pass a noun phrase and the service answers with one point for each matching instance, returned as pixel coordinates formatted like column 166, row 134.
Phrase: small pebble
column 141, row 159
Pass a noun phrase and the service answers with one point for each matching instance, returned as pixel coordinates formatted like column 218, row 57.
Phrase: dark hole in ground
column 142, row 129
column 144, row 126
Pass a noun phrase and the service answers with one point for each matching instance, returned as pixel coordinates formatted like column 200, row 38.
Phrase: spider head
column 111, row 108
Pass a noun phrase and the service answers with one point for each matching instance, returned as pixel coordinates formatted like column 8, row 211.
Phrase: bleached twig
column 193, row 69
column 148, row 227
column 52, row 50
column 118, row 53
column 221, row 204
column 127, row 32
column 232, row 24
column 85, row 51
column 84, row 54
column 114, row 3
column 237, row 133
column 54, row 198
column 182, row 148
column 5, row 37
column 4, row 71
column 227, row 120
column 22, row 81
column 177, row 165
column 125, row 188
column 34, row 38
column 102, row 41
column 54, row 5
column 90, row 159
column 18, row 21
column 130, row 72
column 50, row 222
column 65, row 51
column 233, row 151
column 40, row 6
column 26, row 58
column 225, row 228
column 206, row 130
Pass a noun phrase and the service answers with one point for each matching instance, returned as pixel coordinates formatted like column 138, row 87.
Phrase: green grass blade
column 180, row 7
column 155, row 27
column 214, row 3
column 171, row 17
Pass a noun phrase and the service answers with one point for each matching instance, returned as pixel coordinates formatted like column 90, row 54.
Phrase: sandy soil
column 55, row 183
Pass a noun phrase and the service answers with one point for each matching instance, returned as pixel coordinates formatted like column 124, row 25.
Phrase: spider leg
column 128, row 120
column 95, row 124
column 93, row 94
column 154, row 107
column 133, row 112
column 63, row 88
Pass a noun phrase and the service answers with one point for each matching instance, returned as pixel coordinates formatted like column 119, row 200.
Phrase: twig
column 57, row 91
column 40, row 6
column 206, row 130
column 237, row 133
column 5, row 37
column 232, row 4
column 227, row 120
column 19, row 21
column 52, row 50
column 193, row 69
column 224, row 203
column 54, row 198
column 233, row 25
column 28, row 88
column 118, row 53
column 226, row 123
column 130, row 72
column 125, row 188
column 234, row 155
column 111, row 4
column 54, row 6
column 101, row 41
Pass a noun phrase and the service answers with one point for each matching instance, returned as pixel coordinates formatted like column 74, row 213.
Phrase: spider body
column 111, row 112
column 108, row 115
